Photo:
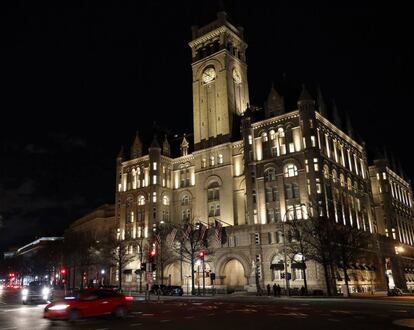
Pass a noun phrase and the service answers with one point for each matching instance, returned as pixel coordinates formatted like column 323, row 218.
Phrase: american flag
column 217, row 232
column 171, row 237
column 158, row 238
column 187, row 231
column 202, row 232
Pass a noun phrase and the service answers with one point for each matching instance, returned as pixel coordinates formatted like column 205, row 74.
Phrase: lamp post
column 284, row 251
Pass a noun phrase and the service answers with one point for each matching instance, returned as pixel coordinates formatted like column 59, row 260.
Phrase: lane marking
column 135, row 324
column 165, row 320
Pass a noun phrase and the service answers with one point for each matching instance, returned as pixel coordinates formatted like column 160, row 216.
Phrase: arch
column 234, row 274
column 165, row 199
column 270, row 174
column 290, row 170
column 211, row 179
column 216, row 64
column 223, row 259
column 141, row 200
column 325, row 171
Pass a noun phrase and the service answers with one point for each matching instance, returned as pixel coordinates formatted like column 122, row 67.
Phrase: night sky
column 77, row 81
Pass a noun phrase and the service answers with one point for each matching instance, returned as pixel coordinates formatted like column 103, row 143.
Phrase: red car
column 89, row 302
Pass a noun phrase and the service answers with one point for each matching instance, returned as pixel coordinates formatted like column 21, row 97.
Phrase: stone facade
column 250, row 183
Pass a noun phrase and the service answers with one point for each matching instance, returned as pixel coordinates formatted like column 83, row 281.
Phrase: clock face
column 209, row 75
column 236, row 76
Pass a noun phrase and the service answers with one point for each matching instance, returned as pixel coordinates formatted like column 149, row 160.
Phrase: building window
column 203, row 162
column 154, row 166
column 154, row 179
column 185, row 200
column 270, row 174
column 313, row 141
column 315, row 164
column 250, row 139
column 290, row 170
column 141, row 200
column 318, row 186
column 384, row 176
column 165, row 200
column 211, row 160
column 220, row 159
column 306, row 166
column 264, row 137
column 154, row 197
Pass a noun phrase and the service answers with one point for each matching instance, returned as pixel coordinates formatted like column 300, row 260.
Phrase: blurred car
column 159, row 289
column 175, row 290
column 37, row 291
column 395, row 292
column 87, row 303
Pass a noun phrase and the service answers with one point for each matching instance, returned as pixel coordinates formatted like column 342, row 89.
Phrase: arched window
column 270, row 174
column 334, row 176
column 165, row 200
column 277, row 265
column 349, row 184
column 141, row 200
column 211, row 160
column 290, row 170
column 272, row 134
column 185, row 200
column 264, row 137
column 298, row 261
column 220, row 159
column 342, row 180
column 326, row 171
column 213, row 199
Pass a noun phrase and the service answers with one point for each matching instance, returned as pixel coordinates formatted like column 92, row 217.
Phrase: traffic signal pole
column 204, row 278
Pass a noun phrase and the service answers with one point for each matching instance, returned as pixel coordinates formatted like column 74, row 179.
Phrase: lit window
column 384, row 175
column 318, row 186
column 212, row 161
column 154, row 179
column 306, row 166
column 290, row 170
column 272, row 134
column 315, row 164
column 291, row 147
column 154, row 166
column 154, row 197
column 203, row 162
column 220, row 159
column 165, row 200
column 378, row 176
column 264, row 137
column 250, row 139
column 313, row 141
column 304, row 143
column 141, row 200
column 132, row 216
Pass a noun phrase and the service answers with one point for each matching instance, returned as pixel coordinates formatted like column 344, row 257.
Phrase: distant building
column 251, row 173
column 34, row 247
column 93, row 227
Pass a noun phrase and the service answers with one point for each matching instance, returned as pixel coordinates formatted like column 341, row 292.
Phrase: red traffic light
column 63, row 271
column 11, row 274
column 152, row 253
column 201, row 254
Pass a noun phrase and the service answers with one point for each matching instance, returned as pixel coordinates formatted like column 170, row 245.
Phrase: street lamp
column 398, row 249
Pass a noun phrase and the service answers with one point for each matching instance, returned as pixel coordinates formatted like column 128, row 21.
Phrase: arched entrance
column 172, row 274
column 234, row 274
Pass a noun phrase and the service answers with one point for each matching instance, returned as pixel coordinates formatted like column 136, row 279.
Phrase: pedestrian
column 268, row 289
column 274, row 289
column 278, row 289
column 302, row 291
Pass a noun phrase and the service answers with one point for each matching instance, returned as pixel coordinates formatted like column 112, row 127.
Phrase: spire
column 184, row 146
column 154, row 143
column 321, row 103
column 336, row 118
column 349, row 128
column 304, row 95
column 166, row 149
column 121, row 155
column 274, row 105
column 136, row 148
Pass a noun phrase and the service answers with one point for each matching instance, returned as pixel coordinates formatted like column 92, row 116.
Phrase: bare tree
column 191, row 239
column 117, row 253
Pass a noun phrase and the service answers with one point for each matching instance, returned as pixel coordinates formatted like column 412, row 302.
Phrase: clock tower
column 220, row 89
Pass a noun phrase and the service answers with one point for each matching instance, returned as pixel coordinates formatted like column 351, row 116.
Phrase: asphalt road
column 227, row 313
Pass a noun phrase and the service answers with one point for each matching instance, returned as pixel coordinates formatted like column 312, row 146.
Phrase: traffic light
column 201, row 255
column 63, row 271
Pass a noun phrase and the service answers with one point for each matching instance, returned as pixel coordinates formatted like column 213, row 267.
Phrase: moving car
column 395, row 292
column 87, row 303
column 175, row 290
column 37, row 291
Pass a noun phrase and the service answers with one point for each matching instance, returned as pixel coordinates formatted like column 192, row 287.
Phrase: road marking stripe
column 135, row 324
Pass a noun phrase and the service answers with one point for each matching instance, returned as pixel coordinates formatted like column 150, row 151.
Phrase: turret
column 274, row 105
column 136, row 148
column 184, row 146
column 166, row 149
